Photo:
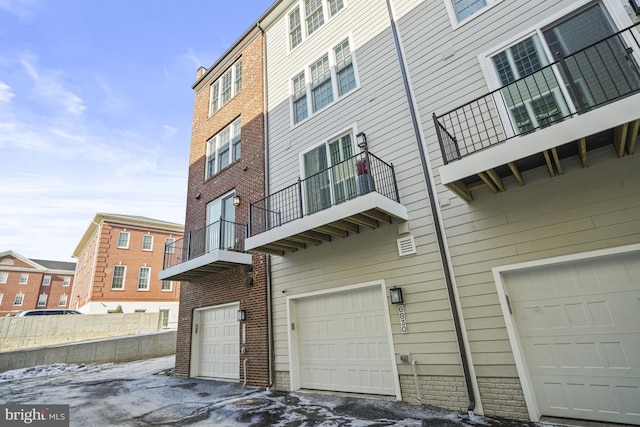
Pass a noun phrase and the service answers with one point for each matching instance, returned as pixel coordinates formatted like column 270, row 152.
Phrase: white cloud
column 169, row 132
column 19, row 8
column 5, row 93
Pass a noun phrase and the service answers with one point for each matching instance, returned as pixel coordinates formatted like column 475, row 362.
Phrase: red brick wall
column 246, row 177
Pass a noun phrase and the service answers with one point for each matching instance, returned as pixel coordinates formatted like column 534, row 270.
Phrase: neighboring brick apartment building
column 27, row 284
column 119, row 257
column 226, row 171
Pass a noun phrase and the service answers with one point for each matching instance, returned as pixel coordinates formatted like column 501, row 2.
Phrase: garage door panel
column 578, row 325
column 219, row 343
column 342, row 342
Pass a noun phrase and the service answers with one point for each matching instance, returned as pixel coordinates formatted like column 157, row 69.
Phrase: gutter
column 444, row 256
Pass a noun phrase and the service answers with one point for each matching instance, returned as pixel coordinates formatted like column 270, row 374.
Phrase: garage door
column 219, row 352
column 579, row 330
column 343, row 343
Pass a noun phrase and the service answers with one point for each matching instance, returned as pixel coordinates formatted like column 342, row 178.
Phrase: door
column 579, row 330
column 317, row 183
column 220, row 231
column 217, row 335
column 343, row 342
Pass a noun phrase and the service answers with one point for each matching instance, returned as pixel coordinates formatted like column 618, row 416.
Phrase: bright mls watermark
column 34, row 415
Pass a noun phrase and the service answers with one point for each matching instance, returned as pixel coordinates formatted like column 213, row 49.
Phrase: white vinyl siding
column 117, row 280
column 223, row 89
column 42, row 300
column 144, row 275
column 123, row 240
column 147, row 242
column 224, row 148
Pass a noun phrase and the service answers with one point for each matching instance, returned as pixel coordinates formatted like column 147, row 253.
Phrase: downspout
column 446, row 267
column 271, row 356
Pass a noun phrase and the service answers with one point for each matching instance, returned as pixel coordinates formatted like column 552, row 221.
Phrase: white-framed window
column 223, row 148
column 24, row 278
column 46, row 280
column 62, row 301
column 1, row 297
column 462, row 10
column 166, row 286
column 66, row 281
column 117, row 281
column 18, row 299
column 123, row 240
column 169, row 245
column 147, row 242
column 3, row 277
column 42, row 300
column 225, row 87
column 144, row 275
column 533, row 96
column 308, row 16
column 326, row 80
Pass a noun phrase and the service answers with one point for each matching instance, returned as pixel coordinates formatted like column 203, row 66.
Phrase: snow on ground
column 45, row 371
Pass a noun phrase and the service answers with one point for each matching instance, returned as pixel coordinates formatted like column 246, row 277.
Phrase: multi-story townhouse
column 119, row 258
column 222, row 331
column 27, row 284
column 507, row 229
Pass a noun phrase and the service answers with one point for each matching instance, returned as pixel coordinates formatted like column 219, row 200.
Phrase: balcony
column 581, row 102
column 217, row 247
column 334, row 203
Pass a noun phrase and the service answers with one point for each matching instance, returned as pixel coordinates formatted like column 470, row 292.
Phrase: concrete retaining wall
column 111, row 350
column 20, row 333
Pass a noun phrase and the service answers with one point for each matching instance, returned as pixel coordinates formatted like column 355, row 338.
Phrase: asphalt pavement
column 145, row 393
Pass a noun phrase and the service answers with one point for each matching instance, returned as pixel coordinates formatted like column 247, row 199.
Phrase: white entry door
column 217, row 335
column 579, row 330
column 343, row 342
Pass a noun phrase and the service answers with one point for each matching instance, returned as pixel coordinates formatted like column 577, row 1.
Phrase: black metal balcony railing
column 586, row 79
column 220, row 235
column 351, row 178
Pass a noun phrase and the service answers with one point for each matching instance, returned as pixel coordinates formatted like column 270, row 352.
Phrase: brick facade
column 15, row 265
column 245, row 177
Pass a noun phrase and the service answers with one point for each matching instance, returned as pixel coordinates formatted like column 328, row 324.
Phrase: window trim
column 15, row 299
column 453, row 15
column 46, row 280
column 331, row 52
column 4, row 277
column 232, row 144
column 304, row 34
column 24, row 276
column 62, row 302
column 128, row 239
column 147, row 286
column 144, row 238
column 162, row 286
column 235, row 86
column 66, row 281
column 113, row 277
column 40, row 302
column 166, row 243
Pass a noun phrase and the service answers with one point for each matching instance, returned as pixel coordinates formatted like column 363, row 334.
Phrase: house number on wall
column 403, row 319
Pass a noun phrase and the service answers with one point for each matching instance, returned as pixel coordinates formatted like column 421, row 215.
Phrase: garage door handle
column 196, row 328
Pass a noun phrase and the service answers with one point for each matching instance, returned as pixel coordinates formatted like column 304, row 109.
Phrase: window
column 66, row 281
column 62, row 301
column 164, row 318
column 144, row 274
column 331, row 77
column 18, row 299
column 225, row 87
column 46, row 280
column 3, row 277
column 123, row 239
column 166, row 285
column 460, row 10
column 221, row 216
column 223, row 148
column 42, row 300
column 0, row 297
column 117, row 282
column 169, row 245
column 24, row 278
column 147, row 242
column 316, row 13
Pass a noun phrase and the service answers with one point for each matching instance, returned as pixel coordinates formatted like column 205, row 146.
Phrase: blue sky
column 95, row 110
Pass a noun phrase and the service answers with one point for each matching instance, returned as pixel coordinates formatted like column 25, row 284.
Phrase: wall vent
column 406, row 246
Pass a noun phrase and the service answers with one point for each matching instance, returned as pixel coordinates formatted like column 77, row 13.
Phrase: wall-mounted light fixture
column 242, row 315
column 396, row 296
column 198, row 196
column 361, row 139
column 236, row 200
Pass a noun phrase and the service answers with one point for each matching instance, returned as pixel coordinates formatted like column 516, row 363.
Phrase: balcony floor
column 370, row 211
column 204, row 265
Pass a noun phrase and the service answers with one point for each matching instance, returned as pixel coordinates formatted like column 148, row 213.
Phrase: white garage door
column 343, row 343
column 579, row 329
column 219, row 343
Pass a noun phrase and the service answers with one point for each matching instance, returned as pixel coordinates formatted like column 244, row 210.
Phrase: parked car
column 45, row 312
